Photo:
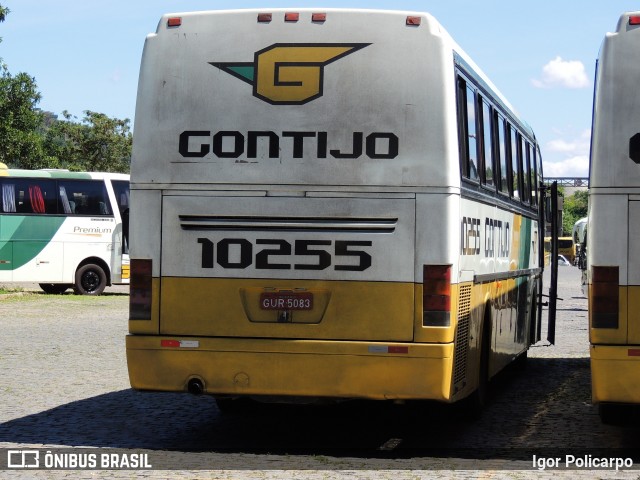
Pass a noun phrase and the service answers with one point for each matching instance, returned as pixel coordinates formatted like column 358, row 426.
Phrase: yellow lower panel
column 214, row 307
column 615, row 375
column 293, row 368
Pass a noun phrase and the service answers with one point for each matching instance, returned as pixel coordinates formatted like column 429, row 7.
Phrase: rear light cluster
column 140, row 290
column 318, row 17
column 436, row 296
column 634, row 20
column 604, row 297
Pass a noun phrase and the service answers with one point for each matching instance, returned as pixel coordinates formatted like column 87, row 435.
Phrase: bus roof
column 63, row 174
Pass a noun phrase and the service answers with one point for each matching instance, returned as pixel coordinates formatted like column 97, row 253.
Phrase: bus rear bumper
column 615, row 374
column 296, row 368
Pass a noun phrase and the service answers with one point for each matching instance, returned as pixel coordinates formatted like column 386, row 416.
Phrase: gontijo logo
column 289, row 74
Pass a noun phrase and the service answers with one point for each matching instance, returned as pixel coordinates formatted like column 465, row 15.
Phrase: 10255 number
column 238, row 253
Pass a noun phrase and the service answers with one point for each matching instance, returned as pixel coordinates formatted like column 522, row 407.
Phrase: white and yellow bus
column 327, row 204
column 613, row 246
column 64, row 229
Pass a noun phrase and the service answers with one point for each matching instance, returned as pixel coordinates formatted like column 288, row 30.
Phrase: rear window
column 565, row 243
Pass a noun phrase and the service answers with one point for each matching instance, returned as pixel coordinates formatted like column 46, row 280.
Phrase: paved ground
column 64, row 384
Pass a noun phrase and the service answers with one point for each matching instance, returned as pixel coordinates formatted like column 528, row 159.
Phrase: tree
column 98, row 143
column 575, row 208
column 20, row 141
column 4, row 11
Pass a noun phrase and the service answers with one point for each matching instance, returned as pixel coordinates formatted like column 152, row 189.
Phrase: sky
column 85, row 54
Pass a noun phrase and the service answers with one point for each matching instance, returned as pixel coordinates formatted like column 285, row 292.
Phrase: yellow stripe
column 342, row 310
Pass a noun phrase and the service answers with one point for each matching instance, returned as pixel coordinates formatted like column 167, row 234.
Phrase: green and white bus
column 64, row 229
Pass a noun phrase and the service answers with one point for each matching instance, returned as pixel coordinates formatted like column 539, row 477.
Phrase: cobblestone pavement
column 64, row 384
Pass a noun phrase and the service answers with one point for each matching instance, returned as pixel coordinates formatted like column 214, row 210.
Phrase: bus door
column 551, row 214
column 121, row 238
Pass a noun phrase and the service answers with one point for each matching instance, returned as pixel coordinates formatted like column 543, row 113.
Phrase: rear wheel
column 91, row 279
column 477, row 401
column 54, row 288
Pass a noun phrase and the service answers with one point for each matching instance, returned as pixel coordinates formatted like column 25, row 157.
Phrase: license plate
column 286, row 301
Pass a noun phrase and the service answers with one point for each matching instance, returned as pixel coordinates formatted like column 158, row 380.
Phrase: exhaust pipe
column 195, row 386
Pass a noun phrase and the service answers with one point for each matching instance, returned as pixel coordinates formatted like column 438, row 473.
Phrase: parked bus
column 64, row 229
column 567, row 248
column 328, row 204
column 613, row 246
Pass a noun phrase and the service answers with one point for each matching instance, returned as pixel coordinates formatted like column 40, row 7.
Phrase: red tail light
column 140, row 293
column 634, row 20
column 174, row 22
column 291, row 17
column 436, row 296
column 604, row 297
column 319, row 17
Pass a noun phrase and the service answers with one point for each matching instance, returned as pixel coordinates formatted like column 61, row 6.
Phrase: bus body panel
column 612, row 243
column 303, row 368
column 352, row 257
column 616, row 110
column 615, row 374
column 394, row 141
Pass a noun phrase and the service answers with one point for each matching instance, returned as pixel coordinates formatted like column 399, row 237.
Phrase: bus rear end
column 286, row 167
column 612, row 243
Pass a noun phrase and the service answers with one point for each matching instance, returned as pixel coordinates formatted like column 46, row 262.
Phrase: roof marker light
column 634, row 20
column 291, row 17
column 319, row 17
column 174, row 22
column 264, row 17
column 414, row 21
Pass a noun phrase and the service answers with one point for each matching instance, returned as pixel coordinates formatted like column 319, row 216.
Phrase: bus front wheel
column 90, row 280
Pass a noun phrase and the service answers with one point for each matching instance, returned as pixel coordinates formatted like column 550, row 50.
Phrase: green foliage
column 20, row 141
column 98, row 143
column 575, row 207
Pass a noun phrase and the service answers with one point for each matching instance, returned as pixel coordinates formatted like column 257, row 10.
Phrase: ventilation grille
column 289, row 224
column 462, row 335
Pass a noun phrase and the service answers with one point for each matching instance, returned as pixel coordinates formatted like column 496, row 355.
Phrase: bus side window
column 534, row 175
column 538, row 161
column 487, row 145
column 121, row 190
column 36, row 195
column 526, row 171
column 8, row 196
column 84, row 197
column 472, row 135
column 515, row 163
column 501, row 140
column 467, row 131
